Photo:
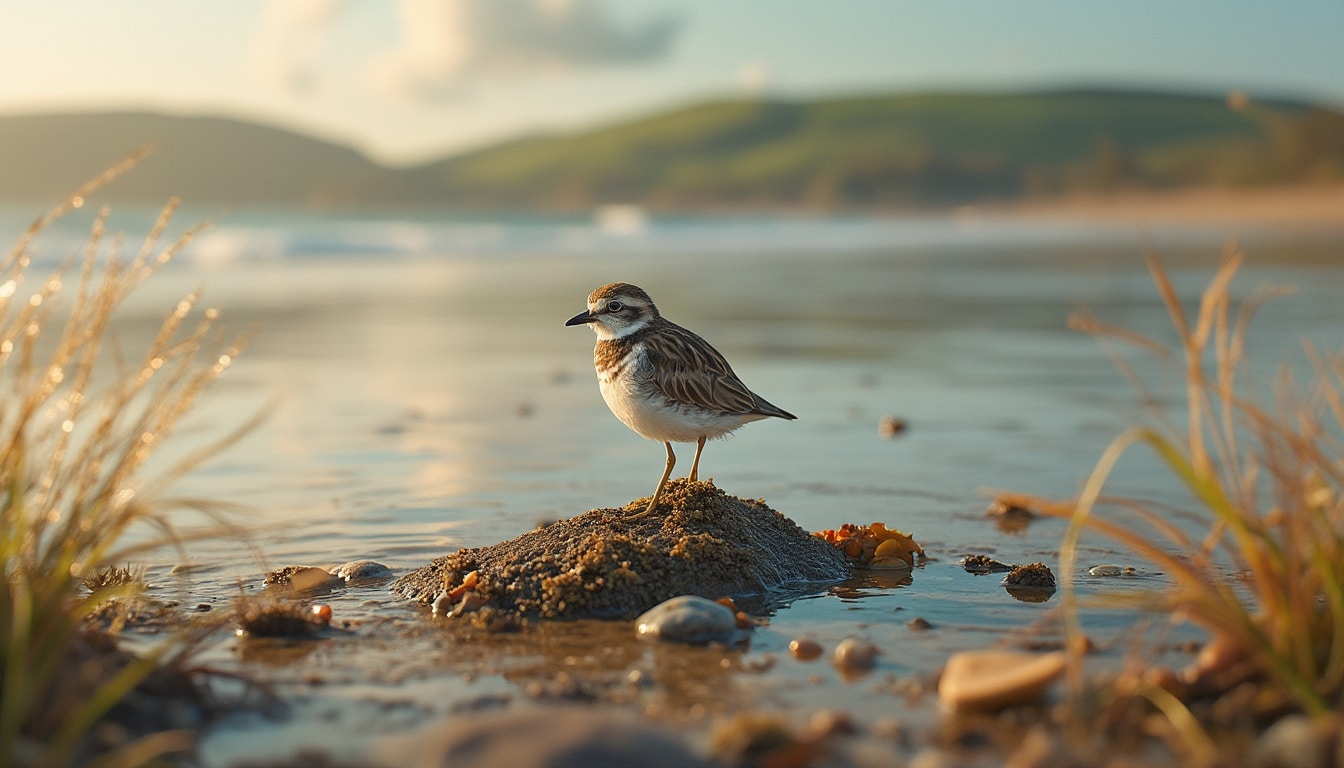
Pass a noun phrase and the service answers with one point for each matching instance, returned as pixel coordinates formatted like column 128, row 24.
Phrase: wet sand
column 436, row 403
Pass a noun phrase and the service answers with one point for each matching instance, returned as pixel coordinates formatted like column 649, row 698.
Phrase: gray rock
column 362, row 572
column 687, row 619
column 557, row 737
column 1297, row 741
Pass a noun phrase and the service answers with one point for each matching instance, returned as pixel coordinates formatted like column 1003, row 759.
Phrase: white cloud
column 447, row 43
column 287, row 42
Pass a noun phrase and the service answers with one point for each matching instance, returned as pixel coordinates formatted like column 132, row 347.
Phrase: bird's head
column 616, row 310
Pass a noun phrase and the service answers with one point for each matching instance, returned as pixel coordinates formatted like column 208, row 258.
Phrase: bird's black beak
column 583, row 317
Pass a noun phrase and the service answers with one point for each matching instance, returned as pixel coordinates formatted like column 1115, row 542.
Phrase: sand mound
column 602, row 564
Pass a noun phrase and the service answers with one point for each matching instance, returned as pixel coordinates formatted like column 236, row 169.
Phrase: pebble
column 1002, row 508
column 687, row 619
column 302, row 578
column 1033, row 575
column 979, row 564
column 805, row 649
column 278, row 620
column 830, row 722
column 855, row 655
column 991, row 680
column 362, row 571
column 890, row 426
column 919, row 624
column 550, row 735
column 1032, row 583
column 1108, row 569
column 443, row 604
column 757, row 738
column 1298, row 741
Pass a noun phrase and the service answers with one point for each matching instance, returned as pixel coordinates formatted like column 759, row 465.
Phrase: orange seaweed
column 873, row 546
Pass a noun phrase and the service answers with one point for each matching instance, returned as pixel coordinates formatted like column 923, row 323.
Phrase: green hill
column 844, row 153
column 204, row 159
column 903, row 150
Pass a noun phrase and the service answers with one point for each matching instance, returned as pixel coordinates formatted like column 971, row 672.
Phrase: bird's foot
column 647, row 510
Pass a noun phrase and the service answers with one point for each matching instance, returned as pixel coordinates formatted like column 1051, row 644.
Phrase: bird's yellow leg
column 671, row 462
column 695, row 465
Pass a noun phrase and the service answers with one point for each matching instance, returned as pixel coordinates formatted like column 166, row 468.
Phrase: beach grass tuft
column 79, row 421
column 1263, row 570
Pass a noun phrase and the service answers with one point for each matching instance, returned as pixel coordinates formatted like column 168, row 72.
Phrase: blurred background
column 671, row 105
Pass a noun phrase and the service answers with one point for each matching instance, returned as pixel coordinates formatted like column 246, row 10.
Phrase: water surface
column 426, row 396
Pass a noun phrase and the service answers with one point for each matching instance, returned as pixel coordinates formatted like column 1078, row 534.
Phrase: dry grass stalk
column 73, row 447
column 1267, row 573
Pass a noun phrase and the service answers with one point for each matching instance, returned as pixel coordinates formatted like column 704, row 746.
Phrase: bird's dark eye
column 615, row 306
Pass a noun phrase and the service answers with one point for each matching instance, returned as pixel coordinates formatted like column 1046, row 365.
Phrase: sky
column 409, row 80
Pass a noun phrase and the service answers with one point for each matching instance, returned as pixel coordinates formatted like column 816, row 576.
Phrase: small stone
column 1032, row 576
column 991, row 680
column 829, row 722
column 919, row 624
column 687, row 619
column 890, row 426
column 1111, row 570
column 1004, row 508
column 546, row 735
column 1009, row 515
column 855, row 655
column 470, row 603
column 981, row 564
column 757, row 738
column 805, row 649
column 1042, row 748
column 362, row 572
column 277, row 620
column 302, row 578
column 1297, row 741
column 443, row 604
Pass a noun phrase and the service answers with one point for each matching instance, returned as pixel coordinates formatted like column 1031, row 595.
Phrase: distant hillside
column 905, row 150
column 876, row 152
column 203, row 159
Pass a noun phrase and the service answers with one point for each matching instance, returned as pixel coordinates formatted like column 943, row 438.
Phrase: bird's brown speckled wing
column 688, row 370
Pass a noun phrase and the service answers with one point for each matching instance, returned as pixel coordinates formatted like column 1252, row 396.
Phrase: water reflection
column 427, row 404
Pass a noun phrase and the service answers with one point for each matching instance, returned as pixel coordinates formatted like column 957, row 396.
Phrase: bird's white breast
column 630, row 394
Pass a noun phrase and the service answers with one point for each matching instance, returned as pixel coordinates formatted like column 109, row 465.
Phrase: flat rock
column 558, row 737
column 990, row 680
column 604, row 564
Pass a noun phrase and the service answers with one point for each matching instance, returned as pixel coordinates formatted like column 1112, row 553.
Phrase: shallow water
column 426, row 396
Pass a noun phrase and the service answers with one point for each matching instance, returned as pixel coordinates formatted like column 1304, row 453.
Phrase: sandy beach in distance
column 1301, row 205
